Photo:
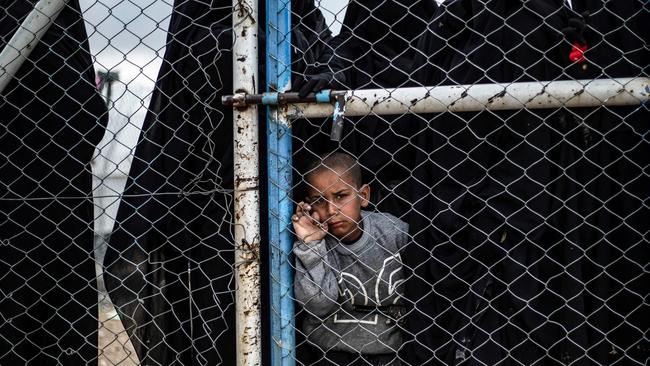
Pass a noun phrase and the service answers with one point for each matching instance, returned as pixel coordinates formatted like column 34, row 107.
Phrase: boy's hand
column 307, row 226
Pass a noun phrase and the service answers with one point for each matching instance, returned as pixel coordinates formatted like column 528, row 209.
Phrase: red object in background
column 99, row 82
column 577, row 52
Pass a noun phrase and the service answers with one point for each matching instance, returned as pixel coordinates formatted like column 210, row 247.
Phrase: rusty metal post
column 27, row 36
column 246, row 172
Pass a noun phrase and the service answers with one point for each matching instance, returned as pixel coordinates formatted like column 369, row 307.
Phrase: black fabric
column 170, row 257
column 375, row 49
column 617, row 47
column 52, row 118
column 378, row 38
column 338, row 358
column 169, row 260
column 314, row 66
column 519, row 221
column 310, row 354
column 616, row 36
column 377, row 41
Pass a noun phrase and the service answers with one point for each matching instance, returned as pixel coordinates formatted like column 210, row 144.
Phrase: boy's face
column 338, row 202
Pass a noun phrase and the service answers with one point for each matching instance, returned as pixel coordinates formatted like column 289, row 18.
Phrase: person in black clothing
column 519, row 222
column 615, row 42
column 52, row 119
column 169, row 264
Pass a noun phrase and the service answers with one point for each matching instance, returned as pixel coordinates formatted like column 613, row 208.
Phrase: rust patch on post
column 496, row 96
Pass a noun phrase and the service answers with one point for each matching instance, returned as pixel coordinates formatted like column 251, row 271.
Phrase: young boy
column 348, row 267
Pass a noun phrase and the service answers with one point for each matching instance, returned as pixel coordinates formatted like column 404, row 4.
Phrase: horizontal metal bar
column 27, row 37
column 477, row 97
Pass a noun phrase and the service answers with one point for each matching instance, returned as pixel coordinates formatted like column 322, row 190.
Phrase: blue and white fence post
column 278, row 79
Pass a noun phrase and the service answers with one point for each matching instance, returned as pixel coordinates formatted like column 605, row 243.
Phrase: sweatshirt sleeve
column 315, row 285
column 402, row 235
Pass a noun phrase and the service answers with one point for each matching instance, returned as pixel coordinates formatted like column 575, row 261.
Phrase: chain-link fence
column 52, row 119
column 479, row 196
column 505, row 229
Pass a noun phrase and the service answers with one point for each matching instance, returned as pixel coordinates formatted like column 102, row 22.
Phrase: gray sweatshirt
column 350, row 292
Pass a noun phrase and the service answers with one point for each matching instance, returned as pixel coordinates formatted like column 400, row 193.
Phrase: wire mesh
column 491, row 237
column 147, row 169
column 51, row 121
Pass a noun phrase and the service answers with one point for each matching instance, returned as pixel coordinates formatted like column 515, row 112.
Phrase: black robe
column 170, row 258
column 612, row 137
column 375, row 49
column 518, row 222
column 52, row 118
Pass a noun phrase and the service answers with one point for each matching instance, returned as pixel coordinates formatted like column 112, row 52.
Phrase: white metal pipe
column 246, row 189
column 477, row 97
column 26, row 38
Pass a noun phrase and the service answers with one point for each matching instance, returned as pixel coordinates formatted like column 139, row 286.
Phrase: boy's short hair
column 337, row 161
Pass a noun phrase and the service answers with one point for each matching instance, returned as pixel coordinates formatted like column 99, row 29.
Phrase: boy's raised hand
column 307, row 226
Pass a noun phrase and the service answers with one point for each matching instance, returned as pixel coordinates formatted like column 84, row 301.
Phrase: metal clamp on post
column 242, row 100
column 238, row 100
column 326, row 96
column 337, row 118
